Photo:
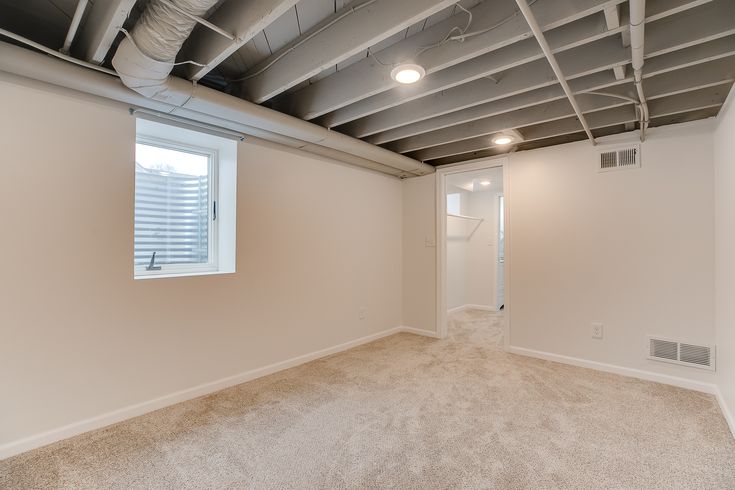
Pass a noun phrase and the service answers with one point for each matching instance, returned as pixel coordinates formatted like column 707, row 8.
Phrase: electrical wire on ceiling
column 449, row 37
column 349, row 11
column 464, row 34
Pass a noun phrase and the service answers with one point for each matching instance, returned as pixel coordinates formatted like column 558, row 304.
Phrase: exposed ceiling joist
column 102, row 25
column 612, row 18
column 469, row 137
column 580, row 32
column 600, row 55
column 348, row 32
column 244, row 20
column 665, row 63
column 599, row 114
column 411, row 137
column 369, row 77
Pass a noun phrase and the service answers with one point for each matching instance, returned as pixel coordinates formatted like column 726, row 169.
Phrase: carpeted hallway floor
column 408, row 412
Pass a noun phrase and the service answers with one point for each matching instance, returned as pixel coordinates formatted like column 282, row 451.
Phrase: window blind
column 171, row 217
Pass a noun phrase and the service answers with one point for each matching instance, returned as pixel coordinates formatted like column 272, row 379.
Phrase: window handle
column 152, row 266
column 214, row 210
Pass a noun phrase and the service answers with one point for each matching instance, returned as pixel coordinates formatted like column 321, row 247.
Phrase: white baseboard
column 420, row 331
column 726, row 411
column 623, row 371
column 471, row 307
column 103, row 420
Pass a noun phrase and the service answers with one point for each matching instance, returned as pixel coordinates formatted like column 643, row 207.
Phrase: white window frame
column 221, row 231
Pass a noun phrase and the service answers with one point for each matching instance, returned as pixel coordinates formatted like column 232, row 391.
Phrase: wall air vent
column 619, row 158
column 684, row 353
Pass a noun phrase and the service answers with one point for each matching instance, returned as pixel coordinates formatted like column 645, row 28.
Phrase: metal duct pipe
column 637, row 43
column 217, row 109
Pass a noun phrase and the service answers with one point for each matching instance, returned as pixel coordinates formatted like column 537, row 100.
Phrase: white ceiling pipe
column 74, row 26
column 144, row 62
column 543, row 43
column 637, row 43
column 36, row 66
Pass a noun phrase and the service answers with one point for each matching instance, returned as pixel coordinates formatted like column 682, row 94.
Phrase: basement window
column 184, row 202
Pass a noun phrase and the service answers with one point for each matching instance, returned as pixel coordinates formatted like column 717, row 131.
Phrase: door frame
column 441, row 239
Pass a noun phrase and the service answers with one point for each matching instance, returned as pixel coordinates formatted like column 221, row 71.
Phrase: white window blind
column 172, row 206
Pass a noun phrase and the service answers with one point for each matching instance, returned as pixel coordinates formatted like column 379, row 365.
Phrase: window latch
column 152, row 266
column 214, row 210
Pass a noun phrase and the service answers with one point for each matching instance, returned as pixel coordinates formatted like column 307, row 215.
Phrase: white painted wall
column 632, row 249
column 457, row 251
column 79, row 337
column 482, row 251
column 419, row 252
column 724, row 157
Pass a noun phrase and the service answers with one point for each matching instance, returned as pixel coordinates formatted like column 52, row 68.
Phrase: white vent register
column 678, row 352
column 619, row 158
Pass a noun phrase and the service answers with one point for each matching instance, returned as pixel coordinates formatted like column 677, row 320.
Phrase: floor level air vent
column 667, row 350
column 619, row 158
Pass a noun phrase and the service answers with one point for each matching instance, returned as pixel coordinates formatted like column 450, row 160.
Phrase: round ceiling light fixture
column 502, row 139
column 485, row 183
column 407, row 73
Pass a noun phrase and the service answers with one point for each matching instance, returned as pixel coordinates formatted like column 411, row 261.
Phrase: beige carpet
column 409, row 412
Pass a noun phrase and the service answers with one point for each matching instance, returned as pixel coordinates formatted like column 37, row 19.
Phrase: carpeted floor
column 409, row 412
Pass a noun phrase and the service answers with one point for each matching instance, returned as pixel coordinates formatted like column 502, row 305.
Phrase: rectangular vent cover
column 666, row 350
column 619, row 158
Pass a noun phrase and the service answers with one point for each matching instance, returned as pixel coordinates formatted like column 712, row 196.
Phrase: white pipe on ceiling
column 235, row 114
column 74, row 26
column 637, row 42
column 539, row 34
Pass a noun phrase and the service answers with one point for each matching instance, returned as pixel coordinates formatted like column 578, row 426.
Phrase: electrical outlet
column 362, row 313
column 597, row 330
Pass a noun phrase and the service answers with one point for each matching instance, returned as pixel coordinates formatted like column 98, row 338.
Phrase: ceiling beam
column 369, row 77
column 244, row 20
column 665, row 63
column 104, row 20
column 583, row 31
column 590, row 58
column 602, row 114
column 473, row 136
column 612, row 18
column 348, row 32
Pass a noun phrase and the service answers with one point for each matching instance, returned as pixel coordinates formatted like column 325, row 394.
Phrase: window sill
column 180, row 274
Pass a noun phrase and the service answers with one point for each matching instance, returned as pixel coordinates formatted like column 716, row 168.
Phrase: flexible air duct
column 144, row 61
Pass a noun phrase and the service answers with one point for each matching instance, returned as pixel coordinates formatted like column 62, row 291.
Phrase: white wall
column 419, row 252
column 633, row 249
column 482, row 250
column 724, row 156
column 457, row 251
column 79, row 337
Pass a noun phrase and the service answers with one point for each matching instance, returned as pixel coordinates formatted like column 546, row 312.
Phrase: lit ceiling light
column 502, row 139
column 485, row 182
column 407, row 73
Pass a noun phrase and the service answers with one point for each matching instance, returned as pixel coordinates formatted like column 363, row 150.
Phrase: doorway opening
column 472, row 222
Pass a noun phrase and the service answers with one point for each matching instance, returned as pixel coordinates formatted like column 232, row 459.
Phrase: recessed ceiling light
column 407, row 73
column 485, row 182
column 502, row 139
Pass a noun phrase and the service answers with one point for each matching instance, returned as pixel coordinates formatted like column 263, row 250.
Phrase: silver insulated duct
column 146, row 56
column 144, row 61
